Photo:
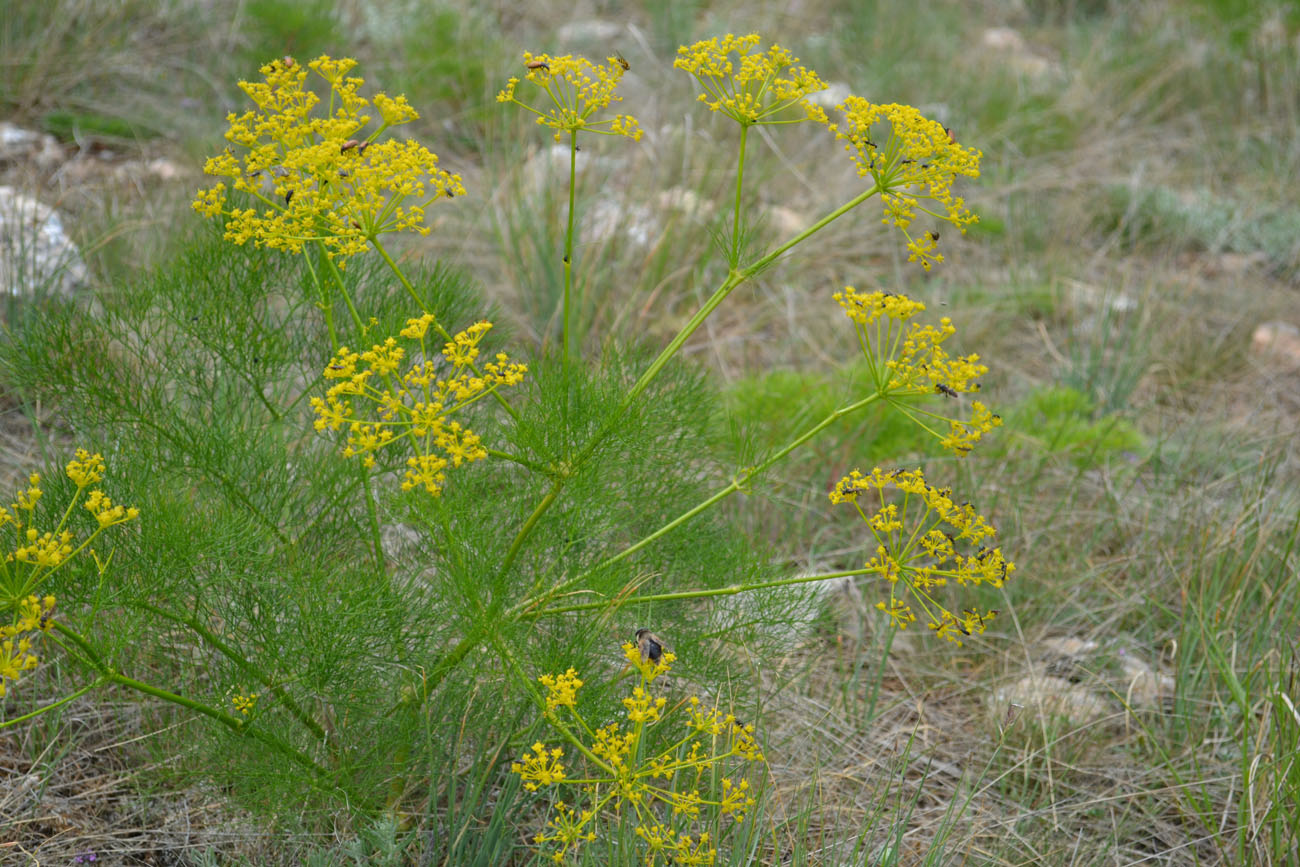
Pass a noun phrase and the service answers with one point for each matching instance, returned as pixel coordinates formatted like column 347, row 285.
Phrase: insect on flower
column 944, row 389
column 349, row 145
column 650, row 645
column 622, row 61
column 952, row 139
column 538, row 64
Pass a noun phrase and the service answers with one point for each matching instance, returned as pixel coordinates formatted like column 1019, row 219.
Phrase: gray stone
column 36, row 255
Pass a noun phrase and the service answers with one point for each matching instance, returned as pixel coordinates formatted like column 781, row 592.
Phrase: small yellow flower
column 31, row 617
column 86, row 469
column 244, row 703
column 577, row 89
column 562, row 690
column 540, row 768
column 751, row 87
column 642, row 707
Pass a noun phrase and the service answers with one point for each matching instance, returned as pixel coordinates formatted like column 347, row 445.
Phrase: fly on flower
column 650, row 646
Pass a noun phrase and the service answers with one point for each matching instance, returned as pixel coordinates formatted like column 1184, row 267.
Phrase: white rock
column 610, row 217
column 786, row 222
column 1009, row 46
column 835, row 93
column 592, row 30
column 1280, row 340
column 1053, row 696
column 24, row 145
column 1143, row 686
column 687, row 202
column 36, row 255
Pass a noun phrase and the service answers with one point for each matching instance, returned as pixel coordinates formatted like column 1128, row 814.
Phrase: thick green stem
column 326, row 305
column 372, row 511
column 527, row 528
column 568, row 251
column 109, row 674
column 53, row 705
column 731, row 590
column 343, row 290
column 734, row 279
column 735, row 215
column 736, row 484
column 286, row 701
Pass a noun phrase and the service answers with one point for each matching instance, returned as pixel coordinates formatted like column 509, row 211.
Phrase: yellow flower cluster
column 244, row 703
column 918, row 552
column 577, row 90
column 31, row 615
column 907, row 359
column 671, row 791
column 34, row 555
column 562, row 690
column 317, row 177
column 919, row 160
column 751, row 86
column 416, row 404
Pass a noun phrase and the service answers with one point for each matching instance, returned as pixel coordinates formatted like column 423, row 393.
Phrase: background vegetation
column 1136, row 700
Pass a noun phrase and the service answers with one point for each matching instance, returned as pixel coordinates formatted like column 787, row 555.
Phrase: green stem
column 527, row 528
column 326, row 305
column 736, row 484
column 372, row 510
column 735, row 216
column 343, row 290
column 54, row 706
column 734, row 279
column 243, row 664
column 235, row 724
column 568, row 251
column 531, row 688
column 730, row 590
column 515, row 459
column 406, row 284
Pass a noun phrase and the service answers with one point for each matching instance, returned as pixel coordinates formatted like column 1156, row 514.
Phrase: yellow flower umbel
column 690, row 781
column 318, row 175
column 577, row 89
column 35, row 555
column 751, row 87
column 911, row 159
column 919, row 548
column 906, row 359
column 30, row 618
column 244, row 703
column 415, row 404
